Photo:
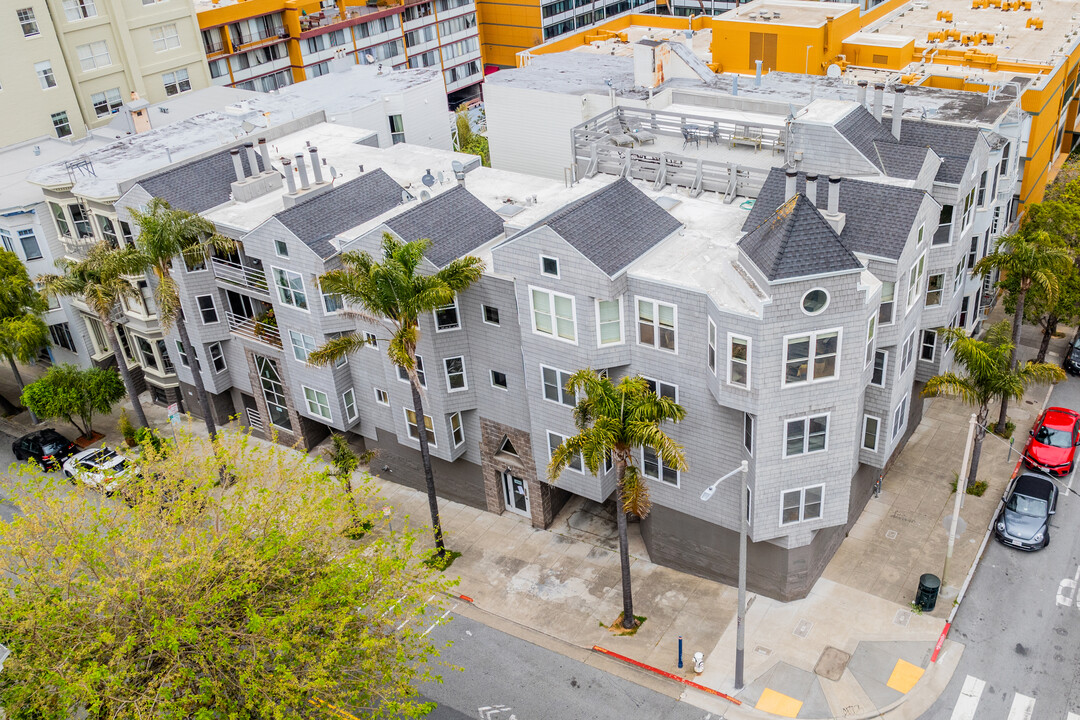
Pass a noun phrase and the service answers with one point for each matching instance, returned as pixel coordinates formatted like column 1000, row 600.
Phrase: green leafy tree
column 468, row 140
column 99, row 281
column 23, row 334
column 988, row 375
column 393, row 293
column 68, row 392
column 1032, row 259
column 612, row 421
column 1065, row 310
column 345, row 462
column 205, row 602
column 167, row 234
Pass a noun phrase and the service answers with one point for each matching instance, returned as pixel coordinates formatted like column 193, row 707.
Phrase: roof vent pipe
column 304, row 184
column 861, row 97
column 235, row 152
column 790, row 189
column 264, row 150
column 811, row 187
column 757, row 75
column 286, row 166
column 879, row 100
column 315, row 169
column 834, row 195
column 897, row 110
column 734, row 85
column 253, row 168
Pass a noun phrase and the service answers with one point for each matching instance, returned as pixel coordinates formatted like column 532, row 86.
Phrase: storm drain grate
column 902, row 618
column 890, row 534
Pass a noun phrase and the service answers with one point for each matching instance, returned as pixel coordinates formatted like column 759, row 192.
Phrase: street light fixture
column 740, row 627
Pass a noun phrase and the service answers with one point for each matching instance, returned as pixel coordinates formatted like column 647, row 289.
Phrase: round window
column 815, row 301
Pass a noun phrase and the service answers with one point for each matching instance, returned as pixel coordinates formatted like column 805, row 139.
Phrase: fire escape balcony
column 253, row 329
column 242, row 276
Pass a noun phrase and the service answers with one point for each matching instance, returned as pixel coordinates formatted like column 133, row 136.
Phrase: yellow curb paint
column 778, row 704
column 904, row 676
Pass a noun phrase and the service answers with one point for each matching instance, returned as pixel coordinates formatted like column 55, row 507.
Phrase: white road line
column 969, row 699
column 1073, row 716
column 441, row 617
column 1022, row 707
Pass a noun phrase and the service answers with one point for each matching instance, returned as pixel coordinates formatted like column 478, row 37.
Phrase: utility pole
column 961, row 489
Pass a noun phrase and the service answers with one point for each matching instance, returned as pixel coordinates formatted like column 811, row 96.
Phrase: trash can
column 926, row 598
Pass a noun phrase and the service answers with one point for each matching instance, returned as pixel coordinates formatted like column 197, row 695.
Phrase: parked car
column 100, row 468
column 1024, row 522
column 48, row 447
column 1071, row 363
column 1052, row 447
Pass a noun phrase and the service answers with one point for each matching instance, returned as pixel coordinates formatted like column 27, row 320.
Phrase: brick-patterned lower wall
column 545, row 500
column 221, row 405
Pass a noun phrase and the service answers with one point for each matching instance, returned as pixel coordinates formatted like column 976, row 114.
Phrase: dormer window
column 549, row 266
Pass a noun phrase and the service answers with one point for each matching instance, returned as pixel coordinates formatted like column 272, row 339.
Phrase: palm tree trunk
column 425, row 457
column 628, row 619
column 19, row 380
column 976, row 451
column 196, row 375
column 125, row 373
column 1018, row 319
column 1048, row 332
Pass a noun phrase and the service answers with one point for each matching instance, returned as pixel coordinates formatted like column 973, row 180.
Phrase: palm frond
column 333, row 350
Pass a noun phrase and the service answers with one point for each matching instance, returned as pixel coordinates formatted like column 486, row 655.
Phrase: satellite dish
column 424, row 196
column 457, row 166
column 442, row 177
column 428, row 179
column 333, row 172
column 833, row 71
column 405, row 196
column 370, row 58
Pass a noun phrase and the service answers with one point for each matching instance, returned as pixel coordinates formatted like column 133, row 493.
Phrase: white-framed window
column 915, row 275
column 371, row 340
column 899, row 418
column 182, row 354
column 943, row 234
column 748, row 432
column 609, row 322
column 27, row 22
column 457, row 431
column 414, row 432
column 317, row 402
column 881, row 366
column 498, row 380
column 549, row 266
column 801, row 504
column 870, row 427
column 207, row 309
column 738, row 360
column 806, row 435
column 277, row 406
column 381, row 397
column 281, row 249
column 654, row 467
column 61, row 336
column 553, row 314
column 555, row 386
column 455, row 374
column 928, row 346
column 176, row 82
column 657, row 324
column 491, row 314
column 403, row 374
column 93, row 55
column 165, row 37
column 907, row 352
column 290, row 287
column 922, row 235
column 332, row 303
column 811, row 357
column 348, row 401
column 554, row 441
column 302, row 345
column 663, row 389
column 815, row 301
column 958, row 276
column 31, row 247
column 105, row 103
column 871, row 343
column 217, row 357
column 75, row 10
column 61, row 124
column 712, row 346
column 446, row 317
column 888, row 303
column 45, row 74
column 935, row 286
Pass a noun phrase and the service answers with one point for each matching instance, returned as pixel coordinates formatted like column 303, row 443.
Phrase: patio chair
column 618, row 136
column 690, row 136
column 639, row 134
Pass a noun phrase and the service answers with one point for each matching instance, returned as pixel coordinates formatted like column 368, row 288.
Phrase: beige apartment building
column 71, row 64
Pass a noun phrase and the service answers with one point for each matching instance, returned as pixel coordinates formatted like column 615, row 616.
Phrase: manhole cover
column 902, row 618
column 762, row 650
column 802, row 629
column 831, row 664
column 890, row 534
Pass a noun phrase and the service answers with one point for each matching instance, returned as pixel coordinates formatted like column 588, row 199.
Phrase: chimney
column 811, row 187
column 253, row 165
column 789, row 189
column 286, row 165
column 879, row 100
column 264, row 150
column 897, row 110
column 757, row 75
column 861, row 97
column 304, row 184
column 235, row 152
column 315, row 169
column 833, row 215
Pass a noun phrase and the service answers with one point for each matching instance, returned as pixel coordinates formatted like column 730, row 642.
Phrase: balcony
column 77, row 248
column 244, row 276
column 255, row 330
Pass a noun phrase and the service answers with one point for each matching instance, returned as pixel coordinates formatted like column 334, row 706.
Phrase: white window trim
column 622, row 324
column 431, row 440
column 810, row 360
column 461, row 426
column 802, row 302
column 749, row 358
column 345, row 405
column 656, row 321
column 372, row 340
column 750, row 420
column 554, row 321
column 913, row 294
column 892, row 319
column 464, row 375
column 457, row 313
column 558, row 267
column 806, row 436
column 323, row 296
column 381, row 397
column 419, row 366
column 562, row 439
column 922, row 344
column 884, row 370
column 958, row 277
column 210, row 357
column 562, row 389
column 278, row 244
column 491, row 376
column 292, row 343
column 277, row 289
column 871, row 340
column 307, row 404
column 802, row 504
column 897, row 425
column 940, row 292
column 483, row 315
column 905, row 363
column 660, row 470
column 712, row 340
column 877, row 433
column 658, row 383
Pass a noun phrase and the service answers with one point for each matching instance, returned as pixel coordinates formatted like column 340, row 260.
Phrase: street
column 7, row 509
column 1020, row 622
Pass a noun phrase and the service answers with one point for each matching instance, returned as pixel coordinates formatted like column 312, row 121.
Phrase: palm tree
column 99, row 281
column 166, row 234
column 989, row 375
column 22, row 331
column 394, row 294
column 613, row 420
column 1031, row 259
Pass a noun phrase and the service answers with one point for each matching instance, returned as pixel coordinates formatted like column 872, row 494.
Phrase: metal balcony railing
column 252, row 329
column 244, row 276
column 77, row 248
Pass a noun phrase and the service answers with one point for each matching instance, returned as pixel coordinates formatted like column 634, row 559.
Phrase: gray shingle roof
column 861, row 129
column 317, row 220
column 954, row 143
column 198, row 185
column 455, row 221
column 900, row 161
column 613, row 226
column 875, row 142
column 878, row 217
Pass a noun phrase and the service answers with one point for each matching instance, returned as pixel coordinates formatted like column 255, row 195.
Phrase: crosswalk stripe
column 969, row 699
column 1073, row 716
column 1022, row 707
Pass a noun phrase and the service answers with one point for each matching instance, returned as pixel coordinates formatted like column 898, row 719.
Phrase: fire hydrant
column 699, row 662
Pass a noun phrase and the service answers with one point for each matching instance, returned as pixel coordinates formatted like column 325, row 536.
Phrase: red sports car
column 1053, row 442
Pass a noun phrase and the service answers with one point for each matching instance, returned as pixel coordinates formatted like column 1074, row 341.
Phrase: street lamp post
column 740, row 622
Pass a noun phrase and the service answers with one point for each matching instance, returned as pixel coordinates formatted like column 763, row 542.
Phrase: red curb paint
column 466, row 598
column 940, row 642
column 668, row 675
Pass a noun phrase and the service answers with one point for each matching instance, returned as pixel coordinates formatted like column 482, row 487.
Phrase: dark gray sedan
column 1024, row 522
